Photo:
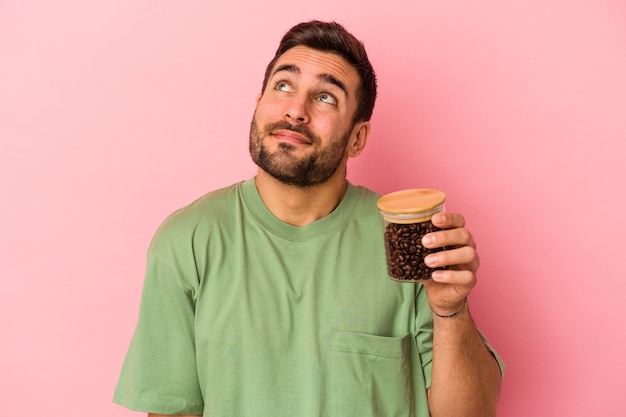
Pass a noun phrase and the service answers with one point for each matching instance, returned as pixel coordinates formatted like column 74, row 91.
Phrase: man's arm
column 465, row 376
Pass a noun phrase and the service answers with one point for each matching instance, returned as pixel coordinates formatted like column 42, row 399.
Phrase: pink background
column 114, row 113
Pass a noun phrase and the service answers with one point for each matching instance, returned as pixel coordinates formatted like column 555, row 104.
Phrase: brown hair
column 332, row 37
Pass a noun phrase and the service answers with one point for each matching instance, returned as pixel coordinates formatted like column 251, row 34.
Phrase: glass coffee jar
column 407, row 217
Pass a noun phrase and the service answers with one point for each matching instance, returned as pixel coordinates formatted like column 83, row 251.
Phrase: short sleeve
column 495, row 354
column 159, row 374
column 424, row 333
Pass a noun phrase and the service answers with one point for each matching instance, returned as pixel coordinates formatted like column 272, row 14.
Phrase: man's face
column 303, row 122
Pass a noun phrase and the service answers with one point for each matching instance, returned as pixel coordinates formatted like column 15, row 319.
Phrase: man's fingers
column 448, row 238
column 464, row 257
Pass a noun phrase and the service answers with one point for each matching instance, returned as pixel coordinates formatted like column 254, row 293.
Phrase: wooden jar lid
column 414, row 200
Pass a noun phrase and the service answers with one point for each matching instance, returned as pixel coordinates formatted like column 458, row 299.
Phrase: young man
column 271, row 297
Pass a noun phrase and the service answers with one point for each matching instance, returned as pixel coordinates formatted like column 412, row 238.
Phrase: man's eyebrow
column 287, row 67
column 331, row 79
column 327, row 78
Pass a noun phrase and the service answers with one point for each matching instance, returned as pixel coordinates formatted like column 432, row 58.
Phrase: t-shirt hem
column 156, row 405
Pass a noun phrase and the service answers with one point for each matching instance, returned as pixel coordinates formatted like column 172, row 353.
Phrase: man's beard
column 284, row 166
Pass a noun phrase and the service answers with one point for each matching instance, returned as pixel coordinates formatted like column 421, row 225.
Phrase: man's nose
column 296, row 109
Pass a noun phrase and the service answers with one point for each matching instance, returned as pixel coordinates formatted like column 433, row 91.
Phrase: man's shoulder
column 212, row 206
column 213, row 200
column 368, row 196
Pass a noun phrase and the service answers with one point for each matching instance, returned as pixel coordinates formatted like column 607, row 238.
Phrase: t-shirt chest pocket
column 372, row 375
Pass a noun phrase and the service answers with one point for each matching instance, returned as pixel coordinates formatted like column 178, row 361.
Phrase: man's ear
column 358, row 138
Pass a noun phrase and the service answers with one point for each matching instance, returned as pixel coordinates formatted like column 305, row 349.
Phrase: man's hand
column 449, row 288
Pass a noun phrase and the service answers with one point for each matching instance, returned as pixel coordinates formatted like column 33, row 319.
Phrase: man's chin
column 286, row 146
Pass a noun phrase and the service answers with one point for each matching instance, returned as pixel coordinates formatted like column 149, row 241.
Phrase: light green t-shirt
column 244, row 315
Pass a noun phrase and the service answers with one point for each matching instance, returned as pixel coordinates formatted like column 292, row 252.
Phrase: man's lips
column 290, row 136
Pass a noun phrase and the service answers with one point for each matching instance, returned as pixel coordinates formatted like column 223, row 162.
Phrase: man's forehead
column 323, row 63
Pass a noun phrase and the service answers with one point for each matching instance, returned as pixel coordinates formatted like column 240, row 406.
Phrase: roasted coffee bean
column 405, row 253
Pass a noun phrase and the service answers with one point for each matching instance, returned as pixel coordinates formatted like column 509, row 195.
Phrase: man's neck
column 300, row 206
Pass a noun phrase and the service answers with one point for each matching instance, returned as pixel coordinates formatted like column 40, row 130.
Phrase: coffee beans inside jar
column 405, row 252
column 406, row 216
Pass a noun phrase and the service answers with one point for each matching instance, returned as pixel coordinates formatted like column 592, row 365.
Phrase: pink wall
column 114, row 113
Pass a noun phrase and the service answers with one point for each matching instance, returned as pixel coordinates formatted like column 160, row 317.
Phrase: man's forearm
column 465, row 376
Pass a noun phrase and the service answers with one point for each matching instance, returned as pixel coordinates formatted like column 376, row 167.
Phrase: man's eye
column 282, row 86
column 327, row 98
